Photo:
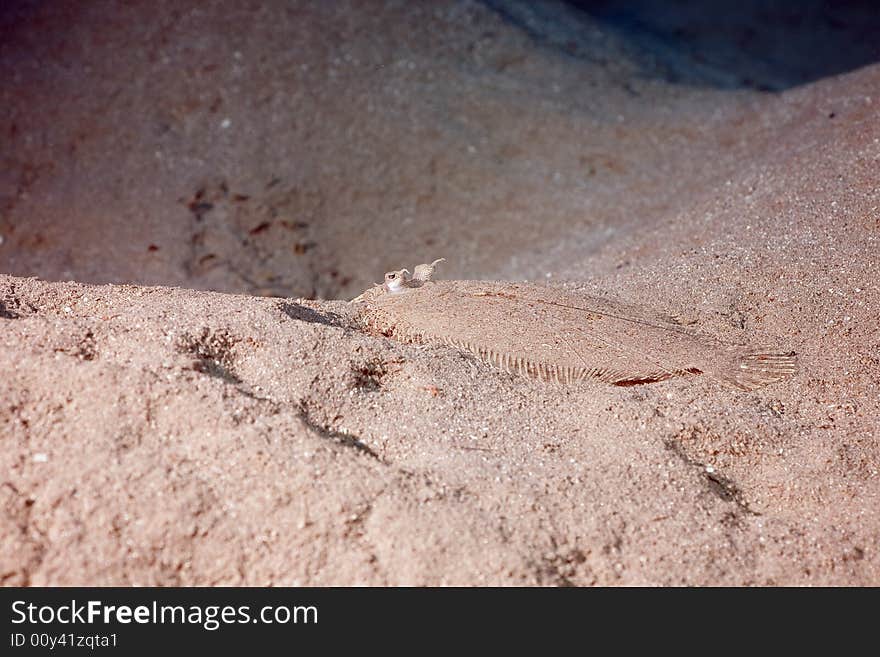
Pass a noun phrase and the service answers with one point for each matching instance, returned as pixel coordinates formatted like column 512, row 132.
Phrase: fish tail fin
column 749, row 369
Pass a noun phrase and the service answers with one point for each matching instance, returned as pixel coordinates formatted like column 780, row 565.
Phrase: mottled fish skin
column 554, row 335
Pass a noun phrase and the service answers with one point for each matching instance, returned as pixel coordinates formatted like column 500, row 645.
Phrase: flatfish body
column 552, row 334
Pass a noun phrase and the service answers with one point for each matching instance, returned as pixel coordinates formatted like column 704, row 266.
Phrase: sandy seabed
column 181, row 415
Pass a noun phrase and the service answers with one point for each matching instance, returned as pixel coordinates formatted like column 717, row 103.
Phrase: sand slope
column 154, row 435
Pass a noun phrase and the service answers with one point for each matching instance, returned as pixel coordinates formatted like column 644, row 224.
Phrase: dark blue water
column 763, row 44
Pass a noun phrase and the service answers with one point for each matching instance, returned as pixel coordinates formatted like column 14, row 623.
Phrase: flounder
column 551, row 334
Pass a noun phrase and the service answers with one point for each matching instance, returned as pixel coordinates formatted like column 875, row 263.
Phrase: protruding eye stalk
column 396, row 281
column 401, row 280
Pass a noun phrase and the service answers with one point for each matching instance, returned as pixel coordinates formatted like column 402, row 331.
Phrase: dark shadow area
column 12, row 11
column 212, row 351
column 304, row 314
column 769, row 45
column 343, row 439
column 716, row 483
column 6, row 313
